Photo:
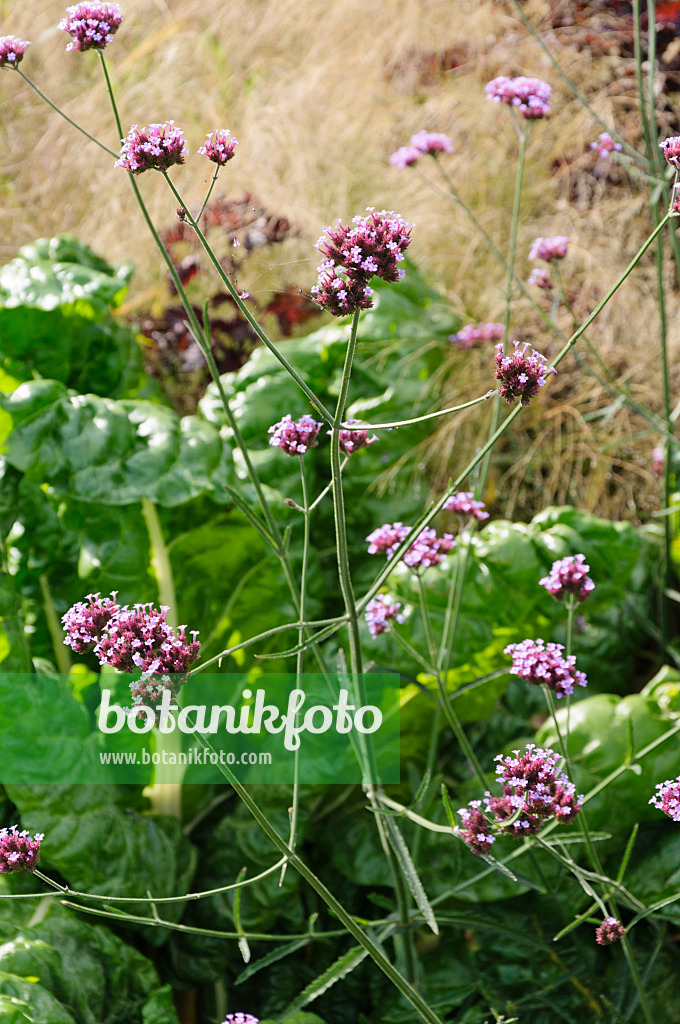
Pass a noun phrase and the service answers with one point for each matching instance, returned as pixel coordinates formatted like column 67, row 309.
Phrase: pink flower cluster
column 353, row 255
column 671, row 150
column 130, row 640
column 569, row 576
column 540, row 277
column 521, row 374
column 423, row 143
column 609, row 931
column 426, row 550
column 658, row 462
column 18, row 852
column 606, row 145
column 534, row 791
column 91, row 25
column 473, row 335
column 219, row 146
column 12, row 50
column 539, row 663
column 549, row 248
column 382, row 610
column 295, row 438
column 667, row 799
column 464, row 503
column 240, row 1018
column 352, row 440
column 152, row 148
column 531, row 96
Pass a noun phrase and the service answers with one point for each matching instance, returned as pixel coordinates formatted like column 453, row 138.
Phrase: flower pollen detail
column 521, row 374
column 531, row 96
column 91, row 25
column 155, row 147
column 295, row 438
column 380, row 612
column 609, row 931
column 667, row 798
column 542, row 664
column 12, row 51
column 219, row 146
column 569, row 576
column 18, row 852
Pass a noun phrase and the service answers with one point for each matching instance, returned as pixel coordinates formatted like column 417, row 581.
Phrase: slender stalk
column 61, row 113
column 61, row 655
column 209, row 192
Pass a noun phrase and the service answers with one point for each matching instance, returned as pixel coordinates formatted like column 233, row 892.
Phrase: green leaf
column 338, row 970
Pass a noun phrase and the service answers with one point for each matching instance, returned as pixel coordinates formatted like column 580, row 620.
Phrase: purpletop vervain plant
column 240, row 1018
column 671, row 150
column 667, row 798
column 155, row 147
column 521, row 374
column 610, row 931
column 340, row 293
column 91, row 25
column 658, row 462
column 18, row 852
column 405, row 156
column 541, row 278
column 539, row 663
column 85, row 624
column 569, row 576
column 219, row 146
column 12, row 51
column 549, row 248
column 423, row 143
column 473, row 335
column 352, row 440
column 531, row 96
column 375, row 245
column 606, row 145
column 464, row 504
column 426, row 550
column 295, row 438
column 380, row 612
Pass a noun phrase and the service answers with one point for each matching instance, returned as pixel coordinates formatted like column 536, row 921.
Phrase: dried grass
column 319, row 96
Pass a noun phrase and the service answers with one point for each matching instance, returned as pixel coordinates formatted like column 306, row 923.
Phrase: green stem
column 61, row 655
column 61, row 113
column 209, row 192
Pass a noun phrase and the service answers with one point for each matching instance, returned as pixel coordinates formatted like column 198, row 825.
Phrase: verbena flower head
column 380, row 612
column 295, row 438
column 405, row 156
column 352, row 440
column 521, row 374
column 675, row 198
column 426, row 550
column 85, row 623
column 387, row 538
column 152, row 148
column 18, row 852
column 539, row 663
column 549, row 248
column 219, row 146
column 541, row 278
column 533, row 792
column 531, row 96
column 375, row 245
column 140, row 639
column 667, row 798
column 240, row 1018
column 569, row 576
column 431, row 142
column 609, row 931
column 473, row 335
column 12, row 51
column 671, row 150
column 341, row 293
column 658, row 462
column 606, row 145
column 91, row 25
column 465, row 505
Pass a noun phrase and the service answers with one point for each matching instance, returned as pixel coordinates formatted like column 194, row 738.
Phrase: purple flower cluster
column 658, row 462
column 464, row 503
column 521, row 374
column 667, row 799
column 12, row 50
column 294, row 438
column 541, row 279
column 18, row 852
column 543, row 664
column 671, row 150
column 606, row 145
column 353, row 255
column 240, row 1018
column 569, row 576
column 423, row 143
column 531, row 96
column 152, row 148
column 130, row 640
column 534, row 791
column 219, row 146
column 426, row 550
column 352, row 440
column 382, row 610
column 549, row 248
column 473, row 335
column 91, row 25
column 609, row 931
